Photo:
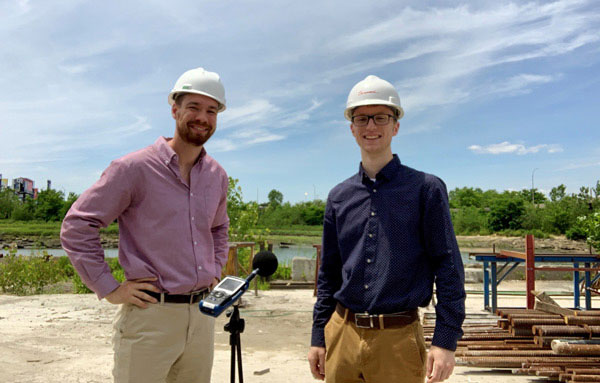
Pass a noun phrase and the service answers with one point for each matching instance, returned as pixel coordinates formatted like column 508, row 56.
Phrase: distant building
column 23, row 187
column 3, row 183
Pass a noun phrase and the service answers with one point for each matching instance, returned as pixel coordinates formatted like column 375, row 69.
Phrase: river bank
column 471, row 242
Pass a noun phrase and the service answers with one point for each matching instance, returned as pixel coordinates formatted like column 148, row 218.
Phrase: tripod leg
column 232, row 376
column 239, row 359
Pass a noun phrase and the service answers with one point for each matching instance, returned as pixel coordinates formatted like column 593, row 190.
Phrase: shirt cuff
column 318, row 337
column 105, row 285
column 445, row 337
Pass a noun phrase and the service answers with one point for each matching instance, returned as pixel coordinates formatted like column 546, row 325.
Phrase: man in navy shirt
column 387, row 238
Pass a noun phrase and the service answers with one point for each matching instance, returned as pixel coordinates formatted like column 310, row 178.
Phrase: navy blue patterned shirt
column 384, row 245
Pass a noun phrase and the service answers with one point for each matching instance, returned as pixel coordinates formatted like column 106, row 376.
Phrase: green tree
column 506, row 213
column 464, row 197
column 591, row 225
column 538, row 197
column 313, row 212
column 8, row 201
column 67, row 205
column 49, row 205
column 558, row 193
column 243, row 217
column 469, row 221
column 24, row 211
column 275, row 198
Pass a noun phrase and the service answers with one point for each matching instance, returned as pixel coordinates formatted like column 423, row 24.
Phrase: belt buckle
column 358, row 316
column 195, row 293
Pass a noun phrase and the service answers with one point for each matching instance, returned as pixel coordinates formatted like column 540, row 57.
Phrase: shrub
column 469, row 221
column 25, row 275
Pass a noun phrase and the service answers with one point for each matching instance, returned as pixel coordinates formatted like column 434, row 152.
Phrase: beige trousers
column 169, row 342
column 373, row 356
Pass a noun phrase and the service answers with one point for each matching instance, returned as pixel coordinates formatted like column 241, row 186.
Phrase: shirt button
column 370, row 235
column 193, row 218
column 192, row 194
column 166, row 162
column 372, row 213
column 199, row 267
column 366, row 287
column 369, row 260
column 374, row 190
column 195, row 243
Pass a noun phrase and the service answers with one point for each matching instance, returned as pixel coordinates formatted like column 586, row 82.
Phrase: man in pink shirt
column 170, row 200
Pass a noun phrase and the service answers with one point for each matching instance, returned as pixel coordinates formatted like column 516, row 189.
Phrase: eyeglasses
column 378, row 119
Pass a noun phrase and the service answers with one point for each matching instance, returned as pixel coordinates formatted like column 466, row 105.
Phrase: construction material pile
column 548, row 341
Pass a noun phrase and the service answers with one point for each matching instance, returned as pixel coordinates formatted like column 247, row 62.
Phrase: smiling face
column 373, row 139
column 195, row 118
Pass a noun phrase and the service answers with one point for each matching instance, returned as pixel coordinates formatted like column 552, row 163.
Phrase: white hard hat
column 200, row 81
column 373, row 91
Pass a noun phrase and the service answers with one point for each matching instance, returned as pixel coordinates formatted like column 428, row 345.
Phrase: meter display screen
column 230, row 284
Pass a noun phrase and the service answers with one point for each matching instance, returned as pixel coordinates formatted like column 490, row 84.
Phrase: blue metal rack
column 492, row 277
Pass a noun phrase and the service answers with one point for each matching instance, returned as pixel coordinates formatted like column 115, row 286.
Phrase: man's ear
column 396, row 128
column 174, row 109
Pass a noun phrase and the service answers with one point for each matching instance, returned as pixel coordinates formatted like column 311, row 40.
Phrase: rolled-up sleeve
column 97, row 207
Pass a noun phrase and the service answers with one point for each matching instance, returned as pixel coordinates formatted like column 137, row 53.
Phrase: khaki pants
column 170, row 342
column 371, row 355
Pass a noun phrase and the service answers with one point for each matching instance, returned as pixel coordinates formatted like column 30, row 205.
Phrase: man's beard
column 189, row 136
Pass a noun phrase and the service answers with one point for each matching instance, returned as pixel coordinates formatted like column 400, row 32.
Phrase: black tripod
column 235, row 327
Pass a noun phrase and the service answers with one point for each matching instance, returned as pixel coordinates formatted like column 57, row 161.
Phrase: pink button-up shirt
column 167, row 229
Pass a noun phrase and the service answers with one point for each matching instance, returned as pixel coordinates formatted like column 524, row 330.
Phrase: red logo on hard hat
column 360, row 93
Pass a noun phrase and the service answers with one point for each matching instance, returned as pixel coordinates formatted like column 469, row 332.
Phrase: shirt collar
column 387, row 172
column 166, row 152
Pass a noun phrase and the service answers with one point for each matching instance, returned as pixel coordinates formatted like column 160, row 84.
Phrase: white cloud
column 508, row 148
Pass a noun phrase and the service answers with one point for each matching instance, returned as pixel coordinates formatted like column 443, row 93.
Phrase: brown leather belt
column 189, row 298
column 378, row 321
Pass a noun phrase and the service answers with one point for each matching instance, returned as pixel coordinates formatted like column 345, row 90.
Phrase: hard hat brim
column 351, row 107
column 173, row 93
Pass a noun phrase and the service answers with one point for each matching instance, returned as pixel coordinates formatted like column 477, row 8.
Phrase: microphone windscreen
column 266, row 263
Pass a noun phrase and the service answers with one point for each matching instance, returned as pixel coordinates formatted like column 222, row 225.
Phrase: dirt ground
column 67, row 338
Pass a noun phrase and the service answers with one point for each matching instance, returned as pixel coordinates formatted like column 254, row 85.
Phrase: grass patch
column 41, row 228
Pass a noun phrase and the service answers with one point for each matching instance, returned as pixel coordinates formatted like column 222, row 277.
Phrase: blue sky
column 491, row 90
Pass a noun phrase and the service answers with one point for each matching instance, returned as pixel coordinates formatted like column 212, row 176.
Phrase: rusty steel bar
column 592, row 320
column 585, row 378
column 587, row 313
column 521, row 331
column 564, row 377
column 504, row 312
column 527, row 322
column 503, row 347
column 560, row 330
column 521, row 341
column 584, row 371
column 546, row 341
column 490, row 362
column 593, row 330
column 548, row 374
column 508, row 353
column 532, row 316
column 564, row 348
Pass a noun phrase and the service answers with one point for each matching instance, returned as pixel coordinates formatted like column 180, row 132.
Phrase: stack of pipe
column 521, row 339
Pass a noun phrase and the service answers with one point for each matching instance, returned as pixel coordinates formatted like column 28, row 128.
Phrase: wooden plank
column 543, row 306
column 514, row 254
